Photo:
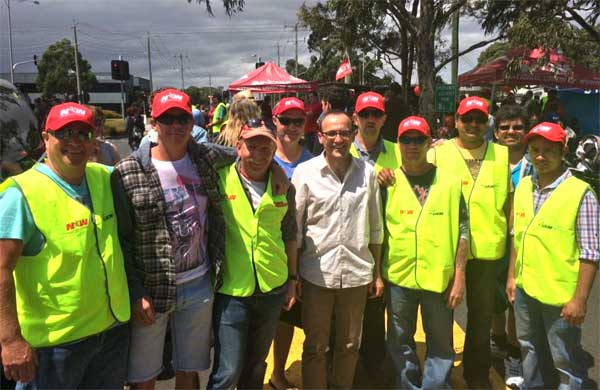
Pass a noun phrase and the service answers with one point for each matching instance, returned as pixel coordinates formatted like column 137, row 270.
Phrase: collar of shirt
column 370, row 156
column 326, row 169
column 565, row 175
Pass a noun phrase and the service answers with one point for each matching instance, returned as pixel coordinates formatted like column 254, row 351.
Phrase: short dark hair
column 511, row 112
column 337, row 97
column 334, row 112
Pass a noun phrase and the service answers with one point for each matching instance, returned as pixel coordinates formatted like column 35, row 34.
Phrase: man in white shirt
column 340, row 229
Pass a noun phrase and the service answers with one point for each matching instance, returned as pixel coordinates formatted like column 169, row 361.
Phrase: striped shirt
column 588, row 217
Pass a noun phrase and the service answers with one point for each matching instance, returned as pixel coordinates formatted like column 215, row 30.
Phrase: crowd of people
column 300, row 215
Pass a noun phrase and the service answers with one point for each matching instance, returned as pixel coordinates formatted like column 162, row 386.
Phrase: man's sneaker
column 499, row 347
column 513, row 373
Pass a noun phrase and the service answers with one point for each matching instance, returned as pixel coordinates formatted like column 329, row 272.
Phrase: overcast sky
column 222, row 47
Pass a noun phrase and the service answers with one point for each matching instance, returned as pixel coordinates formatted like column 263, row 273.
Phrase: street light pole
column 10, row 45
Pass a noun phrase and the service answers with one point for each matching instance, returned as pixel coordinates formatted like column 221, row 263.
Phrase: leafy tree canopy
column 56, row 70
column 231, row 6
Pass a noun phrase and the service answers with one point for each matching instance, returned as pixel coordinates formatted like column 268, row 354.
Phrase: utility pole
column 209, row 84
column 10, row 45
column 149, row 63
column 454, row 69
column 181, row 64
column 122, row 94
column 296, row 50
column 278, row 57
column 76, row 49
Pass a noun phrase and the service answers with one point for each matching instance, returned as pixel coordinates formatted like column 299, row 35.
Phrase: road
column 590, row 328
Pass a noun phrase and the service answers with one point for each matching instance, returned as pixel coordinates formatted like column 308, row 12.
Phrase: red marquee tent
column 270, row 78
column 559, row 71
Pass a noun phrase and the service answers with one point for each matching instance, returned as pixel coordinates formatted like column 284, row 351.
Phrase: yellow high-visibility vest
column 390, row 158
column 547, row 263
column 76, row 286
column 254, row 248
column 422, row 240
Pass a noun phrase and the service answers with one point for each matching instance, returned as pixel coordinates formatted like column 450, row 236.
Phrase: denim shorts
column 191, row 333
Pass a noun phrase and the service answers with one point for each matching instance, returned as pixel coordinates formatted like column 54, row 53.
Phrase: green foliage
column 200, row 95
column 231, row 6
column 56, row 70
column 495, row 50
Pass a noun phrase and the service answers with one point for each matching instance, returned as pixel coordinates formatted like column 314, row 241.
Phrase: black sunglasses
column 286, row 121
column 479, row 119
column 84, row 135
column 168, row 119
column 514, row 127
column 374, row 113
column 406, row 140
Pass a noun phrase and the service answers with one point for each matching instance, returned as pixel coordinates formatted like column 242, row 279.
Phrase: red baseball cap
column 548, row 130
column 369, row 100
column 415, row 123
column 287, row 104
column 170, row 98
column 473, row 103
column 67, row 113
column 258, row 130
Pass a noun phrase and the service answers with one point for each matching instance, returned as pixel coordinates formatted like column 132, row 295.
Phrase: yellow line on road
column 294, row 363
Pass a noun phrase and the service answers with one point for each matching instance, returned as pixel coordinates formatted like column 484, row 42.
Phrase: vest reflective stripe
column 254, row 248
column 485, row 197
column 547, row 264
column 76, row 286
column 422, row 241
column 389, row 159
column 220, row 106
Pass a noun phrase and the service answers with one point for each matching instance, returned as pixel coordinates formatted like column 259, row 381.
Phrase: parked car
column 20, row 139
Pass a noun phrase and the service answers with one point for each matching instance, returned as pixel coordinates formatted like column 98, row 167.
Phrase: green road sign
column 445, row 98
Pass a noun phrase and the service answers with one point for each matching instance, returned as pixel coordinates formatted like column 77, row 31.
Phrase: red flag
column 344, row 70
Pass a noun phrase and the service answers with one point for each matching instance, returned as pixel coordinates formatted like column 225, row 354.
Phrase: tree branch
column 581, row 21
column 454, row 7
column 405, row 19
column 467, row 50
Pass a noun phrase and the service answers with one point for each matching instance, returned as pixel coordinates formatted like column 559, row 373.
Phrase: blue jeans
column 402, row 305
column 97, row 362
column 548, row 344
column 244, row 329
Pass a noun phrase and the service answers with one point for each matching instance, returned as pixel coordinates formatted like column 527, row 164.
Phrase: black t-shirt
column 421, row 183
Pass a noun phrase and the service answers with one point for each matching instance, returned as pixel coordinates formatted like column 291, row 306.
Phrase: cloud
column 222, row 47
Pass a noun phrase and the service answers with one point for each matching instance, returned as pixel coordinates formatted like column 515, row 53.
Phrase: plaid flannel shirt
column 140, row 206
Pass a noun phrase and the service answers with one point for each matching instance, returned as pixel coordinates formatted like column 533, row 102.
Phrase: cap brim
column 257, row 133
column 68, row 123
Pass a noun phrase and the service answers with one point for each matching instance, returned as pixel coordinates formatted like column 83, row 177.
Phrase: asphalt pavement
column 590, row 329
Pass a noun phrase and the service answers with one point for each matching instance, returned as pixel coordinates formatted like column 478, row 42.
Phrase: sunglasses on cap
column 255, row 123
column 406, row 140
column 479, row 119
column 286, row 121
column 345, row 134
column 374, row 113
column 168, row 119
column 83, row 135
column 514, row 127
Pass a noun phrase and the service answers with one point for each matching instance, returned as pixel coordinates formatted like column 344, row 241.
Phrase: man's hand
column 376, row 288
column 279, row 181
column 574, row 311
column 19, row 360
column 511, row 287
column 455, row 291
column 143, row 311
column 386, row 177
column 291, row 294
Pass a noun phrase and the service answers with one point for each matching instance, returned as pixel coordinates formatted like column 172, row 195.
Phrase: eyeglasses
column 82, row 135
column 345, row 134
column 286, row 121
column 514, row 127
column 374, row 113
column 168, row 119
column 479, row 119
column 255, row 123
column 406, row 140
